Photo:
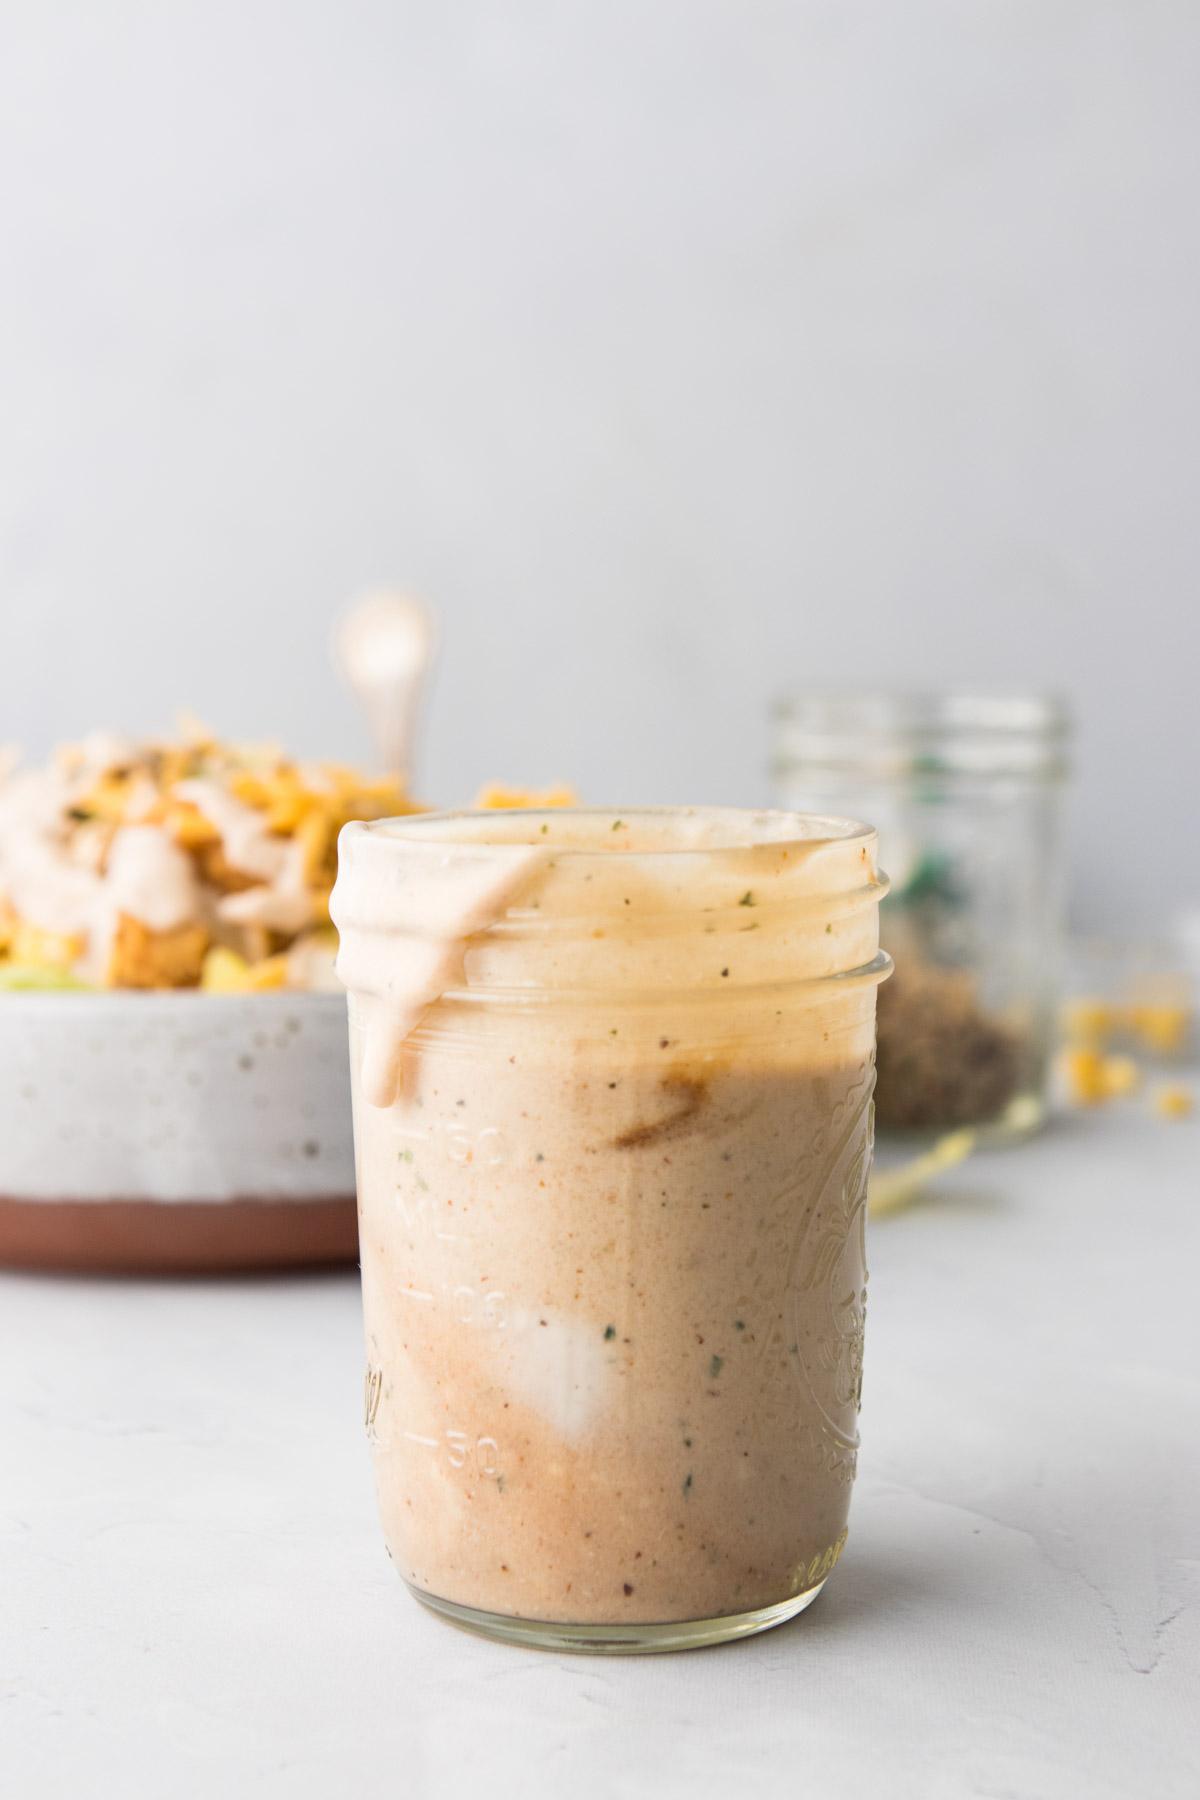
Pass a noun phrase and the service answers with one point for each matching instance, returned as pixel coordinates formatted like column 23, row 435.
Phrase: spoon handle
column 383, row 646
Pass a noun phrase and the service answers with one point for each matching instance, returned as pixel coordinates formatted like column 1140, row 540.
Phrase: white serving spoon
column 383, row 645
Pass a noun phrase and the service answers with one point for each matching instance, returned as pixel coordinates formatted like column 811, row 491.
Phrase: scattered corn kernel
column 272, row 972
column 1089, row 1021
column 1173, row 1103
column 36, row 949
column 1161, row 1028
column 188, row 825
column 1094, row 1078
column 1120, row 1075
column 1084, row 1070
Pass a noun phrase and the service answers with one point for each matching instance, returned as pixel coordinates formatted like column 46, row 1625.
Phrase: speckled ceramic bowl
column 176, row 1131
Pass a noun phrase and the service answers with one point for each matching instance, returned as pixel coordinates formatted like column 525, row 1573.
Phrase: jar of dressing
column 612, row 1085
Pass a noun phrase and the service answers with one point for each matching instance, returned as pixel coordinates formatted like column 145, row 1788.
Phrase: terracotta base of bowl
column 176, row 1238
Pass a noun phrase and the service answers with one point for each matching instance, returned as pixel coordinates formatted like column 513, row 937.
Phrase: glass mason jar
column 612, row 1084
column 966, row 794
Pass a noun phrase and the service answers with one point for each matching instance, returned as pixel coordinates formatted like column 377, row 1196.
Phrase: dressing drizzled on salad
column 174, row 864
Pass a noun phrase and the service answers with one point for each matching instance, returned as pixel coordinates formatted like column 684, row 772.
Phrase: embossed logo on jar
column 821, row 1566
column 372, row 1393
column 827, row 1283
column 812, row 1276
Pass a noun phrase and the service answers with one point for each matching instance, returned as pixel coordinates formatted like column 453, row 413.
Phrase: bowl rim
column 164, row 1002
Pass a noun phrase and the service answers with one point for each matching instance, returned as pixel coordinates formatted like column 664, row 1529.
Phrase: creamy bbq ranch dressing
column 398, row 973
column 57, row 884
column 612, row 1083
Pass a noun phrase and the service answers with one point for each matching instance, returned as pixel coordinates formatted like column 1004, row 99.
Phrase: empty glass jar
column 966, row 794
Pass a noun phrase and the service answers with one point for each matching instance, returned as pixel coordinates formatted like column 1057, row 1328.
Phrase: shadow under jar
column 612, row 1082
column 966, row 793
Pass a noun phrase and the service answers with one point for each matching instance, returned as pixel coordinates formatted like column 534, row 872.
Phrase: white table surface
column 195, row 1600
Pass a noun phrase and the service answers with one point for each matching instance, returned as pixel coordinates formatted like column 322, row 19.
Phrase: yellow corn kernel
column 374, row 800
column 1173, row 1103
column 1094, row 1078
column 35, row 949
column 250, row 789
column 188, row 825
column 225, row 972
column 315, row 835
column 1161, row 1028
column 1089, row 1021
column 1084, row 1070
column 287, row 810
column 1120, row 1075
column 272, row 972
column 496, row 797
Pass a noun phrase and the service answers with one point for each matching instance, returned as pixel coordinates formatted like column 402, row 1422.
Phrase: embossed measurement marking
column 486, row 1147
column 485, row 1310
column 440, row 1253
column 481, row 1454
column 486, row 1452
column 405, row 1136
column 468, row 1304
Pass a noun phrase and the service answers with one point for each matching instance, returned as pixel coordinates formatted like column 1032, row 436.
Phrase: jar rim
column 868, row 712
column 606, row 831
column 968, row 736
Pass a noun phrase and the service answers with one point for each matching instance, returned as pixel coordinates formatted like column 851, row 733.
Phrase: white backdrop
column 679, row 351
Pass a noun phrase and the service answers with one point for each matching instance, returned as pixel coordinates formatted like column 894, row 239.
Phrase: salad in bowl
column 186, row 864
column 173, row 1038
